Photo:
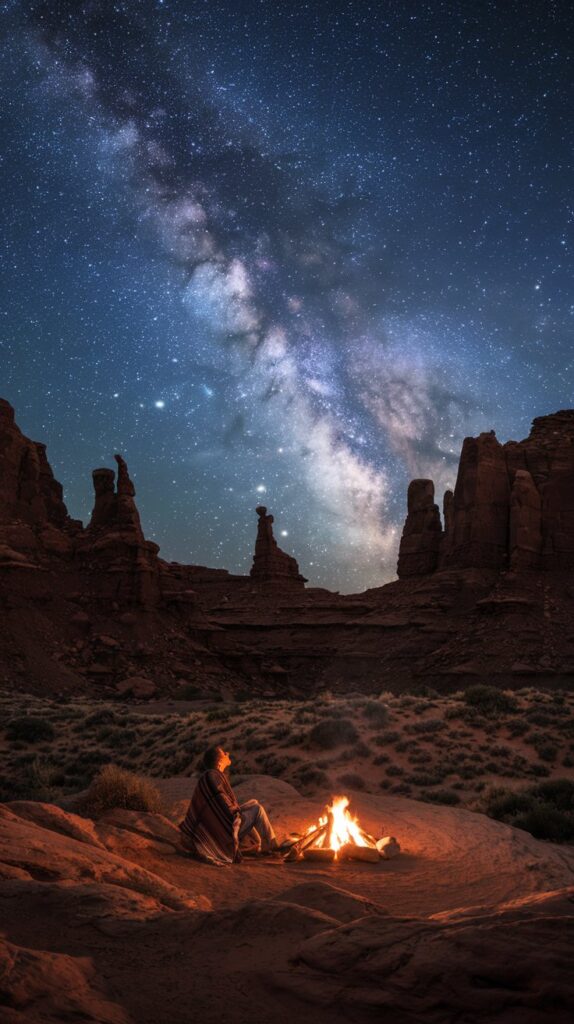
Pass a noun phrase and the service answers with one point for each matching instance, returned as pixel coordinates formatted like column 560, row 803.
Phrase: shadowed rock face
column 513, row 506
column 29, row 491
column 269, row 561
column 422, row 535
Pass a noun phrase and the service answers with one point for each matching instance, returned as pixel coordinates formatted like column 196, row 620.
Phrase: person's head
column 216, row 757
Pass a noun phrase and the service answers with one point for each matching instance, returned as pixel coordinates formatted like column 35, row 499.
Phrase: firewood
column 350, row 851
column 322, row 854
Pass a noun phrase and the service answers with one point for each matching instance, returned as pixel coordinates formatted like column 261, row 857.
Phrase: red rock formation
column 480, row 507
column 513, row 505
column 422, row 535
column 34, row 521
column 269, row 561
column 123, row 564
column 29, row 491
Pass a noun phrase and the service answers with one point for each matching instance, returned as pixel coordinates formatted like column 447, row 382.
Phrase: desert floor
column 440, row 749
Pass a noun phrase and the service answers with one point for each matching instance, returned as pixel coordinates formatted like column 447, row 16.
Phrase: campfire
column 338, row 836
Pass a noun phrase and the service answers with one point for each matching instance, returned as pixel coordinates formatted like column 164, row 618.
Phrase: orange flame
column 342, row 827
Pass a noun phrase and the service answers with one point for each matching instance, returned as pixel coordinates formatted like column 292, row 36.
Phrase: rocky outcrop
column 512, row 507
column 269, row 561
column 422, row 535
column 123, row 564
column 34, row 521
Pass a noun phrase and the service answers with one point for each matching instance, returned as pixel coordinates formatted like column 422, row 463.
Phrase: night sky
column 285, row 254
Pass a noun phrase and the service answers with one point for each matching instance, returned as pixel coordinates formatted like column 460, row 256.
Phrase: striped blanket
column 210, row 828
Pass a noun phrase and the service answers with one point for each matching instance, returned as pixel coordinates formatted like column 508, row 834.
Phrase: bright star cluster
column 286, row 253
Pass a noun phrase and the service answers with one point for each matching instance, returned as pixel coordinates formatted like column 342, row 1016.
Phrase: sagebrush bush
column 489, row 701
column 353, row 780
column 308, row 775
column 545, row 810
column 115, row 787
column 29, row 729
column 333, row 732
column 441, row 796
column 376, row 712
column 428, row 725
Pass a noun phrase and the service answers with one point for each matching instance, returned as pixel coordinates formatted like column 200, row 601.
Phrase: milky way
column 287, row 254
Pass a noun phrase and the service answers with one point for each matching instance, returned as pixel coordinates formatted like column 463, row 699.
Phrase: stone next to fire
column 512, row 507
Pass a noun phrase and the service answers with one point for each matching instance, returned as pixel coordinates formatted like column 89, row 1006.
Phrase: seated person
column 216, row 827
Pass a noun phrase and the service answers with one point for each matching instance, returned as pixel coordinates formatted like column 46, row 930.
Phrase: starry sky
column 285, row 254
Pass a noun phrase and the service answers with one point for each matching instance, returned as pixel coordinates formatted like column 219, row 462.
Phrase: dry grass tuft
column 115, row 787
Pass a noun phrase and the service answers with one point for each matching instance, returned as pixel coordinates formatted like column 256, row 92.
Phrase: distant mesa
column 512, row 507
column 269, row 561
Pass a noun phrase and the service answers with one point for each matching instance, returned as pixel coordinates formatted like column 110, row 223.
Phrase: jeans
column 254, row 819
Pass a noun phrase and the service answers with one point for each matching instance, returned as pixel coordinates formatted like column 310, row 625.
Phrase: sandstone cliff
column 512, row 507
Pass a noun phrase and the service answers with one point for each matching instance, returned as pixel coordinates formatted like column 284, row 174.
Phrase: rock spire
column 269, row 561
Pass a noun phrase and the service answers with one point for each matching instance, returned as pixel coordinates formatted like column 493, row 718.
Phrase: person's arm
column 225, row 794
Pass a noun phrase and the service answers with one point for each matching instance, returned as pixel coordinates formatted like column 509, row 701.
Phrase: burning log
column 316, row 835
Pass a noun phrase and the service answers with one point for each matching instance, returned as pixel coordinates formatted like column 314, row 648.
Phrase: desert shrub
column 489, row 701
column 441, row 796
column 499, row 750
column 546, row 810
column 376, row 713
column 271, row 764
column 537, row 717
column 406, row 702
column 333, row 732
column 218, row 715
column 386, row 738
column 114, row 787
column 404, row 745
column 395, row 769
column 430, row 725
column 401, row 789
column 280, row 732
column 353, row 780
column 418, row 757
column 568, row 761
column 255, row 742
column 422, row 690
column 40, row 778
column 29, row 729
column 516, row 727
column 540, row 771
column 381, row 759
column 547, row 752
column 102, row 716
column 544, row 746
column 424, row 779
column 308, row 775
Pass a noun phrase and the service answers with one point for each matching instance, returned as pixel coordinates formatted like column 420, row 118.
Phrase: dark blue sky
column 284, row 254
